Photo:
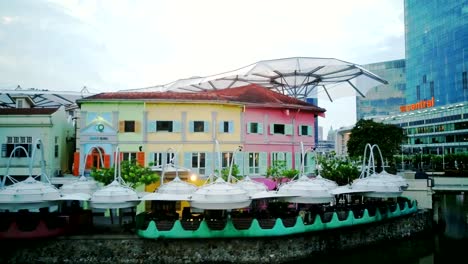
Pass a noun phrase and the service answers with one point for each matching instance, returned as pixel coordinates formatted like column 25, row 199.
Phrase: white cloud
column 6, row 20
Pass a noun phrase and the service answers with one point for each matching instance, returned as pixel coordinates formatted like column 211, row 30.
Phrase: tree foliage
column 388, row 137
column 132, row 173
column 234, row 172
column 279, row 170
column 340, row 170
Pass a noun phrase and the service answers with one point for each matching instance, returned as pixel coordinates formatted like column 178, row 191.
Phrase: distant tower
column 331, row 134
column 320, row 133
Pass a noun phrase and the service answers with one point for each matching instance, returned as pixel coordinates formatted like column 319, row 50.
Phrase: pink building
column 273, row 127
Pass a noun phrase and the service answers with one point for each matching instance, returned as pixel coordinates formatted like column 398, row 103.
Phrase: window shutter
column 280, row 155
column 217, row 160
column 309, row 130
column 311, row 162
column 221, row 127
column 246, row 163
column 297, row 161
column 107, row 160
column 288, row 129
column 288, row 160
column 248, row 127
column 191, row 126
column 176, row 126
column 76, row 163
column 188, row 160
column 141, row 158
column 208, row 163
column 206, row 127
column 231, row 127
column 137, row 126
column 272, row 128
column 262, row 164
column 260, row 128
column 239, row 161
column 299, row 130
column 151, row 126
column 121, row 126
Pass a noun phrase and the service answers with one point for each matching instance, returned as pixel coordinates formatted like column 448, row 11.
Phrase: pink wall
column 277, row 143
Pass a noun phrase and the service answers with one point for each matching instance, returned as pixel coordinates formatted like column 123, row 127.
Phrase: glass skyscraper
column 435, row 115
column 436, row 36
column 385, row 99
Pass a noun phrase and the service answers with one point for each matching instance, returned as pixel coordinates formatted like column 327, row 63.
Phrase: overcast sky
column 114, row 45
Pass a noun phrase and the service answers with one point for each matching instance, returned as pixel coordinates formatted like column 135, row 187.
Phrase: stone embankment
column 132, row 249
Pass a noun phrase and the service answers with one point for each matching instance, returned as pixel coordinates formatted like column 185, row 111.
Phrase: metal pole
column 443, row 157
column 402, row 161
column 421, row 158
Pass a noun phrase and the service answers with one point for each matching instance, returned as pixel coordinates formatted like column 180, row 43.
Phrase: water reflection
column 448, row 244
column 454, row 210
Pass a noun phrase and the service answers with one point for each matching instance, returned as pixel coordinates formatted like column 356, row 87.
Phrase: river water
column 448, row 244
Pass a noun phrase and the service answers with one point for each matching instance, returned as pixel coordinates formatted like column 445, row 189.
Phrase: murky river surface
column 450, row 245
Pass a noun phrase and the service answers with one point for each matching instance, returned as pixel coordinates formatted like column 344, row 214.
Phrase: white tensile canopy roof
column 299, row 77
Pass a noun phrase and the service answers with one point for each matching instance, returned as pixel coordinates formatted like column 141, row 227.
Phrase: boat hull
column 278, row 228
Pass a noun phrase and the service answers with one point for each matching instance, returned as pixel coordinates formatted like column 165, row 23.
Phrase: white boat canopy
column 30, row 193
column 175, row 190
column 252, row 187
column 116, row 194
column 307, row 191
column 220, row 195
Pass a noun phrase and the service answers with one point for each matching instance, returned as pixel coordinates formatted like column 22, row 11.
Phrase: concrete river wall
column 132, row 249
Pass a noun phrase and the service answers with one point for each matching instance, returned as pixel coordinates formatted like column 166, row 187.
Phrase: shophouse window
column 226, row 158
column 305, row 130
column 226, row 127
column 128, row 126
column 255, row 128
column 279, row 159
column 281, row 129
column 198, row 126
column 199, row 162
column 164, row 126
column 254, row 162
column 161, row 158
column 129, row 156
column 17, row 147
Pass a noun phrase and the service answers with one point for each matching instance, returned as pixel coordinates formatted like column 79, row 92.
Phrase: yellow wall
column 162, row 141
